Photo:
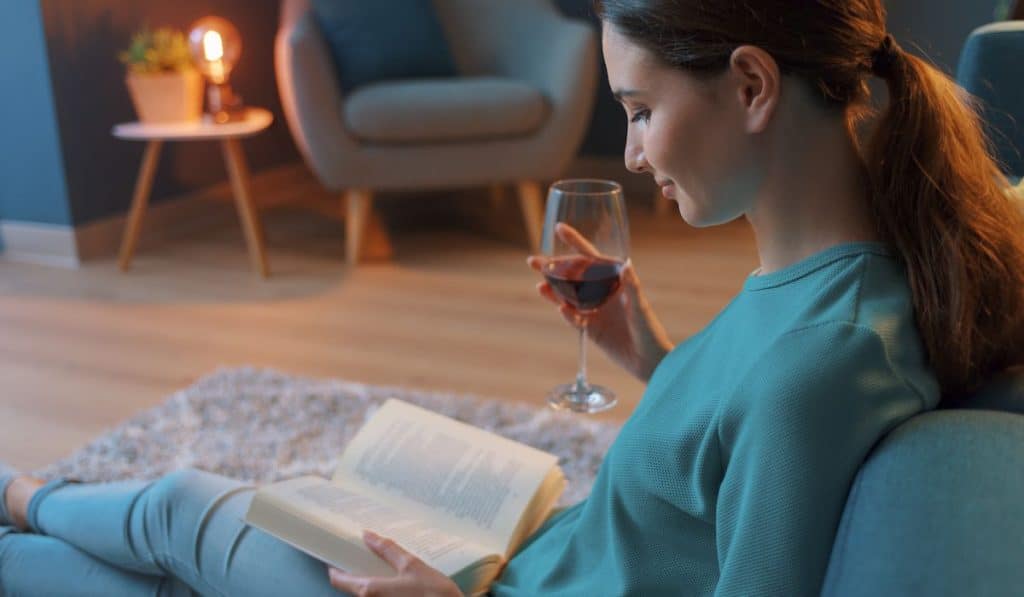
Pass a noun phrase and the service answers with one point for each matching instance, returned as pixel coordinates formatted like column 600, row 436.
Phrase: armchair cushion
column 437, row 111
column 383, row 39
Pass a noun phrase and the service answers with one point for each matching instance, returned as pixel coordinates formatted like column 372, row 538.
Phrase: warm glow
column 216, row 46
column 213, row 46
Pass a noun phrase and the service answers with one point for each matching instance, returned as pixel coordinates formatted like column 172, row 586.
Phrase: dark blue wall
column 32, row 184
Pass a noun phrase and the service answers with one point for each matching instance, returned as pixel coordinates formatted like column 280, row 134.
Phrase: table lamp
column 216, row 47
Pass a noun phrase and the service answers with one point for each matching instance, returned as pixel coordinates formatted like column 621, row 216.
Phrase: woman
column 890, row 280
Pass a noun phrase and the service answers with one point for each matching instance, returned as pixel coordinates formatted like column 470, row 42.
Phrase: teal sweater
column 732, row 473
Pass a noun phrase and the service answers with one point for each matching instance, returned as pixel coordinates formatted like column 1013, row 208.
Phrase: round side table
column 255, row 121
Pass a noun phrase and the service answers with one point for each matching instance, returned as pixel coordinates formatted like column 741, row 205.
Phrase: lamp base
column 223, row 104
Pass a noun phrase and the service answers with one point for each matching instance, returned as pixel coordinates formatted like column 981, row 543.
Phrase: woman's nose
column 635, row 160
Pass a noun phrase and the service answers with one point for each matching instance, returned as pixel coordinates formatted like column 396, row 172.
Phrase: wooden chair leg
column 531, row 202
column 365, row 235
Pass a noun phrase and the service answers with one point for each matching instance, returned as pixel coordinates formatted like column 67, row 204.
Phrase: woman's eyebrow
column 619, row 94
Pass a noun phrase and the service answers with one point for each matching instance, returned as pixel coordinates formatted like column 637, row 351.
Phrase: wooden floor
column 456, row 309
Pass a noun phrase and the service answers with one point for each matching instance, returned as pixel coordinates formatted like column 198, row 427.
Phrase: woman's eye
column 641, row 115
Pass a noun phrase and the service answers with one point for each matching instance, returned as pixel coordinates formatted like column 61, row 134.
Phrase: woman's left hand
column 414, row 577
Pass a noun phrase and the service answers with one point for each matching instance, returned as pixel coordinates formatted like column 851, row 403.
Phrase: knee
column 184, row 495
column 173, row 514
column 178, row 493
column 178, row 486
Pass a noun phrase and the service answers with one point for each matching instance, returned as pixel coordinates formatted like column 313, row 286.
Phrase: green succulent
column 163, row 50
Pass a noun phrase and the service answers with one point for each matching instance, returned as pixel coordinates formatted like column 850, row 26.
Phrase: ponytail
column 941, row 201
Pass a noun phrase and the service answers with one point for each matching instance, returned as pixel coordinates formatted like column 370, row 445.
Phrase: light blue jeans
column 180, row 535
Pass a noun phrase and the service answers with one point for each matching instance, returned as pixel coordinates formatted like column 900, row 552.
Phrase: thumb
column 389, row 551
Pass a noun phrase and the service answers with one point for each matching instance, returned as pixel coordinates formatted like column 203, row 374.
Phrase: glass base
column 589, row 399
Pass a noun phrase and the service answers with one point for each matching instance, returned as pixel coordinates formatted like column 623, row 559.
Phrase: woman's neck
column 815, row 191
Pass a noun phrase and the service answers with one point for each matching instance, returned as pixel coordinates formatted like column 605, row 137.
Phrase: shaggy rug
column 262, row 425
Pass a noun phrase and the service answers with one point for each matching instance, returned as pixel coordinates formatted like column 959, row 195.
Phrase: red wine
column 583, row 282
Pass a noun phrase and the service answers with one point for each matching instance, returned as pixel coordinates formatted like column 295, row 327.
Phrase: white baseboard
column 68, row 246
column 43, row 244
column 183, row 215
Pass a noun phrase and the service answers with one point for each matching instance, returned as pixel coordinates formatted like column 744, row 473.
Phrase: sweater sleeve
column 793, row 438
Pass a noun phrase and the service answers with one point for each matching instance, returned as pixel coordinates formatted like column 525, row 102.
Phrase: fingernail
column 370, row 535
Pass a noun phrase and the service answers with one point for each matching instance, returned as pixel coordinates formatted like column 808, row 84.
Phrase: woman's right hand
column 625, row 327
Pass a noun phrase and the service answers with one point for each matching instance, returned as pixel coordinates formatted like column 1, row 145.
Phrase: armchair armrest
column 549, row 52
column 531, row 41
column 311, row 96
column 559, row 56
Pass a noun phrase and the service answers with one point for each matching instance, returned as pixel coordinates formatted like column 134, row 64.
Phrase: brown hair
column 938, row 196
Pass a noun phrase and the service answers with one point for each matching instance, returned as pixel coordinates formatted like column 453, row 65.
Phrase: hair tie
column 884, row 58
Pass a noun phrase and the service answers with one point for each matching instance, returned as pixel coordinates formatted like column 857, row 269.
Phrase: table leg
column 239, row 173
column 143, row 185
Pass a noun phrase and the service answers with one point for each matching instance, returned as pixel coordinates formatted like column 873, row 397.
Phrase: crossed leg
column 182, row 533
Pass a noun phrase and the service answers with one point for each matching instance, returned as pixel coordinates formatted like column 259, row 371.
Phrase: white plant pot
column 167, row 97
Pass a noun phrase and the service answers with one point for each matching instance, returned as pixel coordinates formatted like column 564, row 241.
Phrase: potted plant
column 164, row 84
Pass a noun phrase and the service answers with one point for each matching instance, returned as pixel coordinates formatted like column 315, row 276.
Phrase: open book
column 460, row 498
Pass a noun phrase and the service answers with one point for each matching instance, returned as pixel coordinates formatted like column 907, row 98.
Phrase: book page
column 347, row 513
column 477, row 483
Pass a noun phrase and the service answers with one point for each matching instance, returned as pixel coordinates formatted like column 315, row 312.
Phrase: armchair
column 516, row 114
column 989, row 68
column 937, row 508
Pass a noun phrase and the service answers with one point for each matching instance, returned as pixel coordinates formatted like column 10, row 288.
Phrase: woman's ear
column 759, row 84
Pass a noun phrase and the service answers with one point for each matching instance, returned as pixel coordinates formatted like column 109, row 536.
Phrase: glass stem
column 581, row 371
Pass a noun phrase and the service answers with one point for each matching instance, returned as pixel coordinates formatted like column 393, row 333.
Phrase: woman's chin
column 690, row 212
column 699, row 216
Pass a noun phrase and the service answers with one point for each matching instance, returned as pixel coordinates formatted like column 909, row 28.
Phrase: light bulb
column 213, row 46
column 216, row 47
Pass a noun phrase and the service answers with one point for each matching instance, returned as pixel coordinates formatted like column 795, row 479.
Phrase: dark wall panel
column 937, row 28
column 84, row 38
column 607, row 133
column 933, row 28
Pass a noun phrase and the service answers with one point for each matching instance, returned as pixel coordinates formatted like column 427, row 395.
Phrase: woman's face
column 686, row 132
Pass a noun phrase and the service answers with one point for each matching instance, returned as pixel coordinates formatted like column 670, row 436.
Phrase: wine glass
column 583, row 269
